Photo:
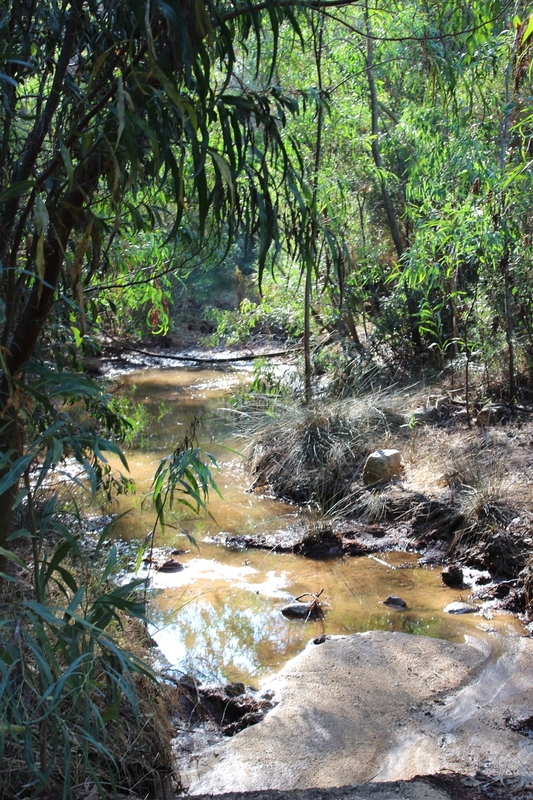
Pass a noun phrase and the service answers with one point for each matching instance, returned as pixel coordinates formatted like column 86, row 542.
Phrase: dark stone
column 234, row 689
column 452, row 576
column 170, row 566
column 231, row 714
column 395, row 602
column 320, row 545
column 523, row 725
column 504, row 555
column 305, row 611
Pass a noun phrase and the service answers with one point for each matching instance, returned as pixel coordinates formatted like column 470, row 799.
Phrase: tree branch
column 42, row 295
column 41, row 128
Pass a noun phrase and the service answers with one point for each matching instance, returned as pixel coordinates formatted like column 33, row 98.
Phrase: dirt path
column 379, row 707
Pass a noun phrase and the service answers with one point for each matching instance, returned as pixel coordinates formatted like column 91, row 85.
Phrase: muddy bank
column 484, row 580
column 425, row 525
column 380, row 707
column 348, row 538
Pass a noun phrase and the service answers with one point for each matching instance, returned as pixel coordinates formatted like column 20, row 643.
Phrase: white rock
column 460, row 608
column 491, row 415
column 339, row 713
column 381, row 465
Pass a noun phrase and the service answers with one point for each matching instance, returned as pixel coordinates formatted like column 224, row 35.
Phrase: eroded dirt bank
column 378, row 707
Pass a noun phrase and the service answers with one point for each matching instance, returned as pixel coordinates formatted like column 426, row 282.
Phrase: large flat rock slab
column 414, row 790
column 377, row 707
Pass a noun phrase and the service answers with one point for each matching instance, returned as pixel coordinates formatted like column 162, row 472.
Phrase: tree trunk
column 307, row 337
column 312, row 255
column 504, row 261
column 34, row 316
column 504, row 264
column 10, row 439
column 412, row 309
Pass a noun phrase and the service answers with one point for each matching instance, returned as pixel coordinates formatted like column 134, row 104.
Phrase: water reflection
column 221, row 616
column 235, row 636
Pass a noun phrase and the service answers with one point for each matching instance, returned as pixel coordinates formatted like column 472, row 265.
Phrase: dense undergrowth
column 81, row 708
column 76, row 702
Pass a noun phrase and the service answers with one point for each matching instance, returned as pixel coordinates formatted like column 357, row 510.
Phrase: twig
column 309, row 594
column 380, row 561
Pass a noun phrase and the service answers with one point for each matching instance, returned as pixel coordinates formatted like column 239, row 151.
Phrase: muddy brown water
column 220, row 617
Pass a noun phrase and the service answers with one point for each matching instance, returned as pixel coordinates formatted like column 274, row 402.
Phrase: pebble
column 460, row 608
column 395, row 602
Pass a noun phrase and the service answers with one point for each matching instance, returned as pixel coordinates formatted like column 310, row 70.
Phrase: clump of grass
column 390, row 503
column 486, row 504
column 313, row 455
column 482, row 489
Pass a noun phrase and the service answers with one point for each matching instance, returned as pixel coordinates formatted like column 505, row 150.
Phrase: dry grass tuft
column 484, row 489
column 472, row 484
column 313, row 455
column 391, row 503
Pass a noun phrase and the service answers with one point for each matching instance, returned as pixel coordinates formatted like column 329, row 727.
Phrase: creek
column 219, row 618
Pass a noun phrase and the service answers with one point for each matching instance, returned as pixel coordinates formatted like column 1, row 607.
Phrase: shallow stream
column 220, row 617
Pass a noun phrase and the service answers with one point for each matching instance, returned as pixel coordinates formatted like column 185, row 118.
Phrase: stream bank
column 380, row 707
column 420, row 534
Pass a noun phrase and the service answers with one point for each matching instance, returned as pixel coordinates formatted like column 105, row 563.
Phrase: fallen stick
column 213, row 359
column 380, row 561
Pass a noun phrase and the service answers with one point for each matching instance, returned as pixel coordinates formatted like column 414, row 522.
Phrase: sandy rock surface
column 378, row 707
column 415, row 790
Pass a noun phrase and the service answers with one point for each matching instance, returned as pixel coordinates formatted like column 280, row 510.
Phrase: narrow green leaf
column 12, row 557
column 16, row 190
column 67, row 161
